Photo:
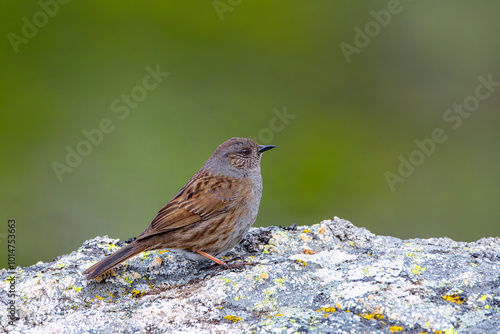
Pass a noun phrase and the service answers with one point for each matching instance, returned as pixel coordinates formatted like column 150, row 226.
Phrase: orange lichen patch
column 305, row 237
column 454, row 298
column 322, row 230
column 308, row 251
column 156, row 262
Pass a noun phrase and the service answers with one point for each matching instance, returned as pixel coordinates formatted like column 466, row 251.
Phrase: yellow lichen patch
column 77, row 289
column 232, row 318
column 145, row 254
column 112, row 246
column 303, row 263
column 228, row 281
column 268, row 249
column 454, row 298
column 163, row 251
column 451, row 330
column 59, row 265
column 329, row 309
column 418, row 270
column 273, row 316
column 268, row 301
column 137, row 293
column 280, row 281
column 395, row 329
column 371, row 316
column 99, row 297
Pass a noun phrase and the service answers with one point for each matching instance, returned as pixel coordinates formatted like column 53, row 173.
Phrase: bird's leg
column 213, row 258
column 237, row 265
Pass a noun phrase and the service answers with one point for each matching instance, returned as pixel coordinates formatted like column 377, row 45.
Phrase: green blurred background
column 230, row 65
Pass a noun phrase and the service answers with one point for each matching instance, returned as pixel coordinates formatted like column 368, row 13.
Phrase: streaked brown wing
column 202, row 198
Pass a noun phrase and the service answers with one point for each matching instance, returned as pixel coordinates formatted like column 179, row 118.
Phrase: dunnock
column 210, row 214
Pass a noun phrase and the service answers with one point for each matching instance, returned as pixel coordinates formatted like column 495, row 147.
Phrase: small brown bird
column 210, row 214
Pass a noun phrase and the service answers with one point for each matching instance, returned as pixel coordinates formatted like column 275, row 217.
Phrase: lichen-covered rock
column 331, row 277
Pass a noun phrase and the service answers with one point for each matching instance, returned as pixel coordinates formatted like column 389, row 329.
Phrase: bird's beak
column 263, row 148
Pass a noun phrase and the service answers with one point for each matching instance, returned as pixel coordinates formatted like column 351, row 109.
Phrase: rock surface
column 331, row 277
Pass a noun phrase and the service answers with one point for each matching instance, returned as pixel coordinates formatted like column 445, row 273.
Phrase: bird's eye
column 245, row 151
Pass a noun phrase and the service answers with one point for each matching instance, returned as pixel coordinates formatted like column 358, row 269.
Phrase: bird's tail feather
column 114, row 259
